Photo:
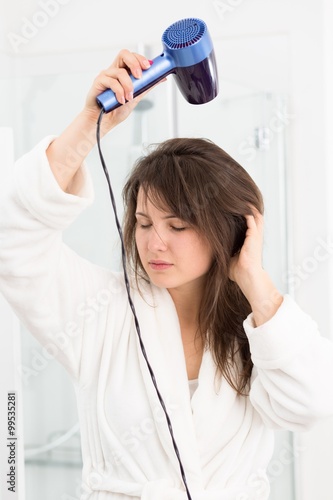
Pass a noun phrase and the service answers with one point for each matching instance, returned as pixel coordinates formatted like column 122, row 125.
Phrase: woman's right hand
column 117, row 78
column 67, row 152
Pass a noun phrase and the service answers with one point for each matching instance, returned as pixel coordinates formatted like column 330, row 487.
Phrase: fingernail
column 146, row 63
column 129, row 96
column 150, row 61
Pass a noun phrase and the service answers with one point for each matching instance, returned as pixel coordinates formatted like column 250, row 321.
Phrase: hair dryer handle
column 161, row 66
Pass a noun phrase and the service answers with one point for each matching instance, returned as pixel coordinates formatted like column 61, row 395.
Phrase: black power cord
column 137, row 326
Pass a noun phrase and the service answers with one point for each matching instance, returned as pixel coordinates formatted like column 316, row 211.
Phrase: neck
column 187, row 302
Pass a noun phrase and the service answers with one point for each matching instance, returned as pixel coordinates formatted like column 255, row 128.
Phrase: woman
column 232, row 357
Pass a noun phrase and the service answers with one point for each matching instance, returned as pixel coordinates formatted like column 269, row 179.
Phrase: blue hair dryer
column 188, row 54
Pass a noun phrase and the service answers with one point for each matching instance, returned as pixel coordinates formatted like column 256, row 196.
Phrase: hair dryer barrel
column 189, row 55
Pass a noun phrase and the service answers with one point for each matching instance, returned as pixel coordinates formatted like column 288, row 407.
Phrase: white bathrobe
column 80, row 314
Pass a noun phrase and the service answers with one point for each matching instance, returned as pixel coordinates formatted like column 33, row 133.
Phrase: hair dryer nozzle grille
column 183, row 33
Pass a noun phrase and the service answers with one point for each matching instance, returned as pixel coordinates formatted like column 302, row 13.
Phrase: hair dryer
column 188, row 54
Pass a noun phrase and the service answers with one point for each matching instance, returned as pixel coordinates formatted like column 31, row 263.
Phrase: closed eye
column 174, row 228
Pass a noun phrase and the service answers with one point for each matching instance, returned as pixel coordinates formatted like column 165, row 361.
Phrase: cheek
column 138, row 241
column 200, row 253
column 205, row 260
column 141, row 243
column 140, row 250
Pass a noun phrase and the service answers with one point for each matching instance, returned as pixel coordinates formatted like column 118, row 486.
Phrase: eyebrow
column 169, row 216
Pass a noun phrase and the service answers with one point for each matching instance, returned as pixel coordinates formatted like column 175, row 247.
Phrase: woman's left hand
column 248, row 261
column 247, row 271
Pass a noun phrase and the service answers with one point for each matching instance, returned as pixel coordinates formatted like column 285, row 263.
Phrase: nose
column 156, row 242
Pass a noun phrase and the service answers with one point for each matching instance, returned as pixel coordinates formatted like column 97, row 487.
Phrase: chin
column 162, row 282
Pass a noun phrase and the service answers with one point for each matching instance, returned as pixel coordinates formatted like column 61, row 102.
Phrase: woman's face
column 172, row 252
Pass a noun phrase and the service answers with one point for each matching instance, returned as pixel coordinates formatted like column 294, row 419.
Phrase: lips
column 159, row 265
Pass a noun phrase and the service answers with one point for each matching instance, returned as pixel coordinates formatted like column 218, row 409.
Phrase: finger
column 143, row 61
column 119, row 81
column 129, row 94
column 132, row 61
column 250, row 221
column 119, row 74
column 259, row 220
column 255, row 216
column 134, row 102
column 255, row 212
column 112, row 80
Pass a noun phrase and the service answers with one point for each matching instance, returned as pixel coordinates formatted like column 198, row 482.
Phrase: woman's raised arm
column 67, row 152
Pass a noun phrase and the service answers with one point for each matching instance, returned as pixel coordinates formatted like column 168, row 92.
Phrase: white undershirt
column 193, row 385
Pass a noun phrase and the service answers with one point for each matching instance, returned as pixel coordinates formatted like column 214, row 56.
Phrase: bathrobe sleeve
column 291, row 385
column 47, row 284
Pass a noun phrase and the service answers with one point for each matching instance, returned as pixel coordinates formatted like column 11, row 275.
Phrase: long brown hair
column 205, row 187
